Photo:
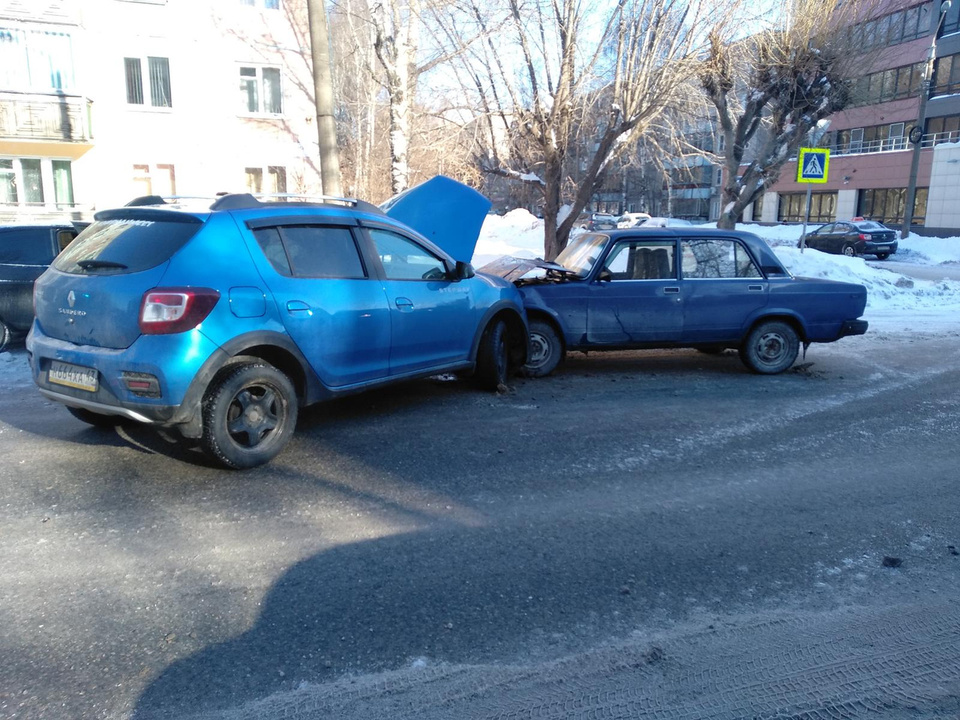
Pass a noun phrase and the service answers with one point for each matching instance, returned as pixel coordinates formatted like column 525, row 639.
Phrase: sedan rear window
column 126, row 245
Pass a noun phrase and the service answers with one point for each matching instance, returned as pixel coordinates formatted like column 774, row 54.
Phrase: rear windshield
column 125, row 245
column 870, row 226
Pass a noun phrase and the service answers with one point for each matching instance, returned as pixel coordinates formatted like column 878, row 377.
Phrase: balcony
column 894, row 144
column 45, row 117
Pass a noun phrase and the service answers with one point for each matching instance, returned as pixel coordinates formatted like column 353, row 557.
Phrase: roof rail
column 241, row 201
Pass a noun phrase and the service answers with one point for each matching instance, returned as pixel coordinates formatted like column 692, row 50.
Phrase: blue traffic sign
column 813, row 165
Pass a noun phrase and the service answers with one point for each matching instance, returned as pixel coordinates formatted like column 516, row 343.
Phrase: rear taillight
column 866, row 236
column 172, row 310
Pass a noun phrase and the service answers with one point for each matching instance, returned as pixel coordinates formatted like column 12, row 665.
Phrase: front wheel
column 770, row 348
column 4, row 335
column 493, row 357
column 546, row 350
column 249, row 414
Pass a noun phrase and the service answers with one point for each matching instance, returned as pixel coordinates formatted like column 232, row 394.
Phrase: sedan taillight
column 172, row 310
column 866, row 236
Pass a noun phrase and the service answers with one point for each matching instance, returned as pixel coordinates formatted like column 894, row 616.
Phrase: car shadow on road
column 464, row 595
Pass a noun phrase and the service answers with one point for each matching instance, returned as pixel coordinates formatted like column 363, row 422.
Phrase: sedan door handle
column 755, row 288
column 671, row 290
column 404, row 303
column 297, row 306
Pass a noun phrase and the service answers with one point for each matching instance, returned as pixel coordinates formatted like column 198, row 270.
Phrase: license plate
column 75, row 376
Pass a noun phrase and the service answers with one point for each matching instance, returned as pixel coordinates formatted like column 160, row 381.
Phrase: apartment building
column 872, row 141
column 105, row 100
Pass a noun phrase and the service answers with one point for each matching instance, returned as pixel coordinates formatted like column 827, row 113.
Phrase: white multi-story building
column 105, row 100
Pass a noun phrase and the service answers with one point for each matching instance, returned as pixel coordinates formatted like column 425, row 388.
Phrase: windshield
column 580, row 255
column 869, row 225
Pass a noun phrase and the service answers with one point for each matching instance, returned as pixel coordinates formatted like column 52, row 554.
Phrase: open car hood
column 444, row 211
column 513, row 268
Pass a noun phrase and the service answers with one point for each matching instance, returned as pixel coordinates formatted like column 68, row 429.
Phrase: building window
column 36, row 182
column 943, row 129
column 266, row 4
column 260, row 90
column 155, row 83
column 876, row 138
column 37, row 61
column 793, row 207
column 758, row 207
column 276, row 180
column 892, row 84
column 893, row 29
column 886, row 205
column 946, row 76
column 157, row 179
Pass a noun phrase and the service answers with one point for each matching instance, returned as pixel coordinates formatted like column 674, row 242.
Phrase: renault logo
column 71, row 298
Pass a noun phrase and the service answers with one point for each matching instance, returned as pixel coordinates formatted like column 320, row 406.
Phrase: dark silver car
column 854, row 237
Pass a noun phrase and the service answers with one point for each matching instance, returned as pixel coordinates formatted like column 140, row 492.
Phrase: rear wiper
column 91, row 264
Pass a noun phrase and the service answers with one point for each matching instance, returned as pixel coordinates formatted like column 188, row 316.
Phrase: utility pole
column 926, row 87
column 323, row 97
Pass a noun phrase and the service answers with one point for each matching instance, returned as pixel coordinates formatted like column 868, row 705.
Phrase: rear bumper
column 174, row 360
column 853, row 327
column 872, row 248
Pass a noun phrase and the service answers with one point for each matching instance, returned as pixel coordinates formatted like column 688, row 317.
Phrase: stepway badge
column 812, row 165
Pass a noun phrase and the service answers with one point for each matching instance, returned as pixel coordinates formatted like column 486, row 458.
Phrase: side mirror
column 605, row 275
column 463, row 271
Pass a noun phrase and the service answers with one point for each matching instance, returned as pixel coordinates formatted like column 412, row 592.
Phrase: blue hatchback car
column 222, row 321
column 678, row 287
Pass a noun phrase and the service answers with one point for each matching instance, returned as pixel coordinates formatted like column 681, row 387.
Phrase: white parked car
column 628, row 220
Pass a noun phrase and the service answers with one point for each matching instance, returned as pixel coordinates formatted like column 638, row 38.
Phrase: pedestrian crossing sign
column 812, row 165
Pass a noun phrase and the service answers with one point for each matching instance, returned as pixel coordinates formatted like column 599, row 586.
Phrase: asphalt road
column 434, row 551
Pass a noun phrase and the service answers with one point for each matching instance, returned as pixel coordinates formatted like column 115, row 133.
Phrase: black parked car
column 854, row 237
column 25, row 252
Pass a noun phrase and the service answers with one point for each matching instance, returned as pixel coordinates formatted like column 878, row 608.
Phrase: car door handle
column 403, row 303
column 297, row 306
column 755, row 288
column 671, row 290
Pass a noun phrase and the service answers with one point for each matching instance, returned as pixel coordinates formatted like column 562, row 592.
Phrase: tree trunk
column 323, row 92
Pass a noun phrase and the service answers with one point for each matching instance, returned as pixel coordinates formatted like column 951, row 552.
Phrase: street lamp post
column 917, row 138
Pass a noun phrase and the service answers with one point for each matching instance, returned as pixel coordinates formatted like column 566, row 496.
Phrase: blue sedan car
column 222, row 319
column 678, row 287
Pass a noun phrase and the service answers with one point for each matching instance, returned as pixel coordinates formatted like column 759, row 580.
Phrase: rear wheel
column 4, row 335
column 770, row 348
column 546, row 350
column 882, row 256
column 94, row 418
column 493, row 357
column 249, row 414
column 849, row 250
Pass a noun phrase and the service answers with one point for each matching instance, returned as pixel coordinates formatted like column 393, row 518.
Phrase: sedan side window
column 312, row 251
column 717, row 258
column 642, row 261
column 403, row 259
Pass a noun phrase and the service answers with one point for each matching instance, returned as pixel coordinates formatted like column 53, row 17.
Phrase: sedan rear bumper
column 853, row 327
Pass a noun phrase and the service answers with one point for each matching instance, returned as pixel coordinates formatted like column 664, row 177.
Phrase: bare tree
column 536, row 81
column 770, row 90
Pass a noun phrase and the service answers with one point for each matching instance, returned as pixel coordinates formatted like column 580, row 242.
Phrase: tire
column 4, row 335
column 848, row 250
column 770, row 348
column 492, row 357
column 882, row 256
column 94, row 418
column 546, row 350
column 249, row 415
